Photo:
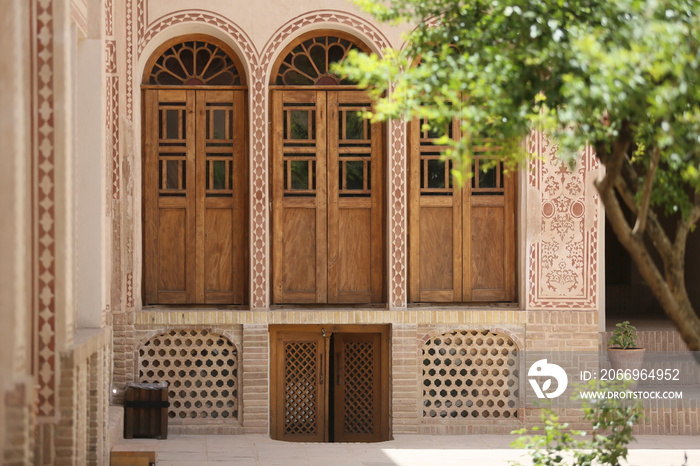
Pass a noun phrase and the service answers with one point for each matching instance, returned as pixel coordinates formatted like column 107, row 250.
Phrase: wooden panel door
column 169, row 196
column 489, row 233
column 435, row 218
column 299, row 197
column 350, row 404
column 328, row 234
column 195, row 197
column 299, row 394
column 221, row 197
column 355, row 217
column 462, row 239
column 357, row 387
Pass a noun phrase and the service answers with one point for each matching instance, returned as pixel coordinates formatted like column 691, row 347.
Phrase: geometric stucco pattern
column 129, row 61
column 563, row 257
column 43, row 200
column 112, row 107
column 397, row 214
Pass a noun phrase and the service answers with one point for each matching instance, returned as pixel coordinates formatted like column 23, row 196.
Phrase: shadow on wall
column 627, row 295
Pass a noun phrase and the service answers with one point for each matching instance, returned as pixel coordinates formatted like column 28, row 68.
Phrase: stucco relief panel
column 563, row 251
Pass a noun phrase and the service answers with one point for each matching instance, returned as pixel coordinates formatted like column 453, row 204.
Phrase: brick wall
column 538, row 330
column 255, row 379
column 16, row 408
column 405, row 378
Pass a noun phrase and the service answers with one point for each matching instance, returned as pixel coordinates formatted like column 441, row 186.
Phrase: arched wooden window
column 327, row 172
column 193, row 63
column 195, row 174
column 308, row 61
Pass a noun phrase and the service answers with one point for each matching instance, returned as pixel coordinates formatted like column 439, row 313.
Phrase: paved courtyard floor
column 405, row 450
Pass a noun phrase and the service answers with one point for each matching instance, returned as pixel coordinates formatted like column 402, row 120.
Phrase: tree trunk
column 668, row 287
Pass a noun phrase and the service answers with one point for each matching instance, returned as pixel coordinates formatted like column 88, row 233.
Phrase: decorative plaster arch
column 322, row 19
column 181, row 23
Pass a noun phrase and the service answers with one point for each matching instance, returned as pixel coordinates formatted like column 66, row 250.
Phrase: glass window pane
column 300, row 174
column 335, row 53
column 354, row 174
column 171, row 124
column 219, row 174
column 436, row 174
column 318, row 55
column 354, row 125
column 219, row 124
column 487, row 179
column 171, row 168
column 303, row 64
column 300, row 125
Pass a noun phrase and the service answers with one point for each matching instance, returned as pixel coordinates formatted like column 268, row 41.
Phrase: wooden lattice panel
column 359, row 388
column 201, row 369
column 300, row 397
column 470, row 375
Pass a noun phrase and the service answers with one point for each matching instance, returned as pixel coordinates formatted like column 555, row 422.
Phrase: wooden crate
column 146, row 410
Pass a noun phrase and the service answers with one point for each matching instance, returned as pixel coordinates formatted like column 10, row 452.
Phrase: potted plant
column 623, row 352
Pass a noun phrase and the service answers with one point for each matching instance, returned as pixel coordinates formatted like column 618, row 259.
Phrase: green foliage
column 612, row 420
column 624, row 336
column 581, row 69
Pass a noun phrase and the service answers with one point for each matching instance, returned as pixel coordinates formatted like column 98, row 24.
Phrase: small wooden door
column 195, row 197
column 328, row 233
column 329, row 383
column 356, row 378
column 462, row 239
column 299, row 386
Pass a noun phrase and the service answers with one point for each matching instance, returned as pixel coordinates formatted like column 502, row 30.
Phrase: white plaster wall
column 64, row 55
column 90, row 184
column 261, row 18
column 15, row 313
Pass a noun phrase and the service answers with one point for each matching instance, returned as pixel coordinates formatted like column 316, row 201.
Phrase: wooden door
column 328, row 236
column 329, row 383
column 195, row 191
column 355, row 216
column 435, row 218
column 299, row 394
column 221, row 198
column 169, row 195
column 462, row 239
column 299, row 197
column 356, row 377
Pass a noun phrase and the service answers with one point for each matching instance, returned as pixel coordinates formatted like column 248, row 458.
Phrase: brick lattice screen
column 201, row 369
column 470, row 374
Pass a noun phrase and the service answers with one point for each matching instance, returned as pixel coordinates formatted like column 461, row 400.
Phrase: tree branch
column 641, row 223
column 656, row 232
column 683, row 229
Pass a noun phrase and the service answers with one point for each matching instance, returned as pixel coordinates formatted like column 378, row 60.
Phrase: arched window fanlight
column 310, row 58
column 195, row 63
